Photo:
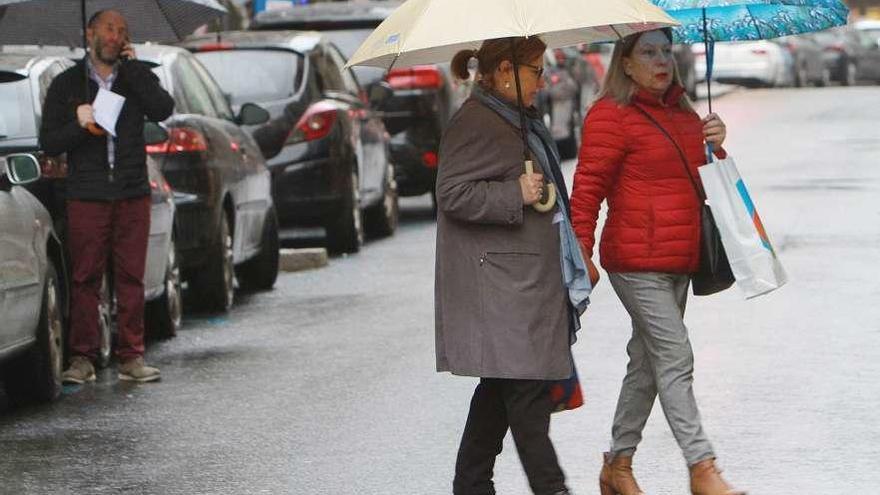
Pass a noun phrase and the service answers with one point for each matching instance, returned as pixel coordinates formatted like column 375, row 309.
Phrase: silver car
column 33, row 289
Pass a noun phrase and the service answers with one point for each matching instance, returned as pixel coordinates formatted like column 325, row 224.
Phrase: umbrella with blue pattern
column 708, row 21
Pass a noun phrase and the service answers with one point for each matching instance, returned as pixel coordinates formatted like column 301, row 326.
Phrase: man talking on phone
column 108, row 191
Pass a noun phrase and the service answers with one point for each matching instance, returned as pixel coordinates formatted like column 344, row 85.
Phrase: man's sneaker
column 79, row 372
column 134, row 370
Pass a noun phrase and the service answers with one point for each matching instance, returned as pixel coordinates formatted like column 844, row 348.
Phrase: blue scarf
column 543, row 148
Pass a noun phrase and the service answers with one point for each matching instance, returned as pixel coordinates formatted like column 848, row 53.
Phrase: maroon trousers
column 97, row 232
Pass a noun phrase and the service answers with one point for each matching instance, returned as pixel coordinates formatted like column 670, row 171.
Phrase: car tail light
column 316, row 123
column 417, row 77
column 430, row 159
column 180, row 140
column 215, row 47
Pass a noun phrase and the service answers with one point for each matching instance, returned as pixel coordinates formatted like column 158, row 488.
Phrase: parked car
column 850, row 55
column 869, row 32
column 807, row 64
column 24, row 80
column 227, row 228
column 424, row 97
column 748, row 63
column 328, row 148
column 33, row 287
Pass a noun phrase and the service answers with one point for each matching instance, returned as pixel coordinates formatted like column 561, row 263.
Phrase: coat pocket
column 510, row 284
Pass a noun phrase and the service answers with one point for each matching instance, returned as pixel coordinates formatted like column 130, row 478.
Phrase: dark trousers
column 524, row 406
column 98, row 231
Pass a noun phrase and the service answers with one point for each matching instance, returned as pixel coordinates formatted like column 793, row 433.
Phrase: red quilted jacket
column 653, row 219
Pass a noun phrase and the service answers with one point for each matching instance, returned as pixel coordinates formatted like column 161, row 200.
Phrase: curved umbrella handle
column 543, row 207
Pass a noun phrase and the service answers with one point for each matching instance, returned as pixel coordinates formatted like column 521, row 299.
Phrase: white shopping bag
column 752, row 258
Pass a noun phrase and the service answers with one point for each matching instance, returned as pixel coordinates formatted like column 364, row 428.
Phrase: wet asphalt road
column 326, row 384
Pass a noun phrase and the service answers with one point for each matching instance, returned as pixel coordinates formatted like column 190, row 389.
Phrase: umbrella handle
column 96, row 130
column 543, row 207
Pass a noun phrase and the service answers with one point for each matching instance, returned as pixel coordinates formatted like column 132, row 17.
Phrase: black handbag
column 714, row 273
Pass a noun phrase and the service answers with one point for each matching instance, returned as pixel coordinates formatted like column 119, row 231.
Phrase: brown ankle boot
column 706, row 480
column 617, row 478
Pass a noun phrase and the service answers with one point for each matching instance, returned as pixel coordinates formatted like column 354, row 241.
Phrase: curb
column 296, row 260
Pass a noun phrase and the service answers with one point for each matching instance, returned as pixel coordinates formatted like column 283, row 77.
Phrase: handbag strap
column 681, row 154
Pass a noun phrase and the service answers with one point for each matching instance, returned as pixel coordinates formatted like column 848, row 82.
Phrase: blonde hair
column 619, row 86
column 492, row 53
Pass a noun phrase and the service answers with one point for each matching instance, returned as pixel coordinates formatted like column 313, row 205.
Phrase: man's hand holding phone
column 127, row 52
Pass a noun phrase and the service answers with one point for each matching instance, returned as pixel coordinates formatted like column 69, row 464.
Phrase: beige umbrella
column 433, row 31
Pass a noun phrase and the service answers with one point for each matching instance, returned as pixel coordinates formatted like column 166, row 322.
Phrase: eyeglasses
column 539, row 71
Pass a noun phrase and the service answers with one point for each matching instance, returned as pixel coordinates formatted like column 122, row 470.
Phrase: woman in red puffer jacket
column 650, row 243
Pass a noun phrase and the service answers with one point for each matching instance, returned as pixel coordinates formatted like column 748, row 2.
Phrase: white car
column 748, row 63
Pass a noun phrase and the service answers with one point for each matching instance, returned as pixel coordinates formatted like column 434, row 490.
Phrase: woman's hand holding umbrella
column 532, row 186
column 714, row 130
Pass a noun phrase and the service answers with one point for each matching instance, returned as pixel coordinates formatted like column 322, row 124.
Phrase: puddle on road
column 833, row 184
column 793, row 242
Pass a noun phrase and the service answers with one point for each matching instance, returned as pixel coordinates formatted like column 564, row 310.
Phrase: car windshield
column 348, row 41
column 874, row 33
column 826, row 37
column 16, row 107
column 253, row 75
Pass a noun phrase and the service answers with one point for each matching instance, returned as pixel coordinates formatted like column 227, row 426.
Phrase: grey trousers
column 661, row 363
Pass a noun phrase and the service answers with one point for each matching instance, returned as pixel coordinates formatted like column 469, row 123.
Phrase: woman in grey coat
column 504, row 312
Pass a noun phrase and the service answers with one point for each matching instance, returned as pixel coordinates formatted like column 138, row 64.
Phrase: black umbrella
column 63, row 22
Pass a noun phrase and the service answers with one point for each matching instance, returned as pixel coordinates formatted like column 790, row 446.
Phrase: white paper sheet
column 107, row 106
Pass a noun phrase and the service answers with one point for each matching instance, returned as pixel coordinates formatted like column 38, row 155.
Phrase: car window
column 16, row 107
column 221, row 104
column 191, row 89
column 329, row 74
column 348, row 80
column 255, row 76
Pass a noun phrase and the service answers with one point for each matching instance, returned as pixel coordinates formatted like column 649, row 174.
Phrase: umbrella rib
column 168, row 20
column 616, row 32
column 755, row 22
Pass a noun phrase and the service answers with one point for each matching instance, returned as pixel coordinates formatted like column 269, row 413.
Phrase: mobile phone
column 125, row 45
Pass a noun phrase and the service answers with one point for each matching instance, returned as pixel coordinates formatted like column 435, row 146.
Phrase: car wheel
column 382, row 219
column 825, row 78
column 345, row 234
column 164, row 315
column 849, row 76
column 801, row 76
column 261, row 272
column 215, row 282
column 37, row 373
column 105, row 323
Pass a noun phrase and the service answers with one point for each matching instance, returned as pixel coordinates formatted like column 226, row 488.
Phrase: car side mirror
column 22, row 168
column 251, row 114
column 154, row 133
column 379, row 93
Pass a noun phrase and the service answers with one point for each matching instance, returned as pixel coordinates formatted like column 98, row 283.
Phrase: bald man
column 108, row 191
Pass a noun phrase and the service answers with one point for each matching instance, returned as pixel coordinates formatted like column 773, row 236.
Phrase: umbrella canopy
column 708, row 21
column 431, row 31
column 58, row 22
column 742, row 20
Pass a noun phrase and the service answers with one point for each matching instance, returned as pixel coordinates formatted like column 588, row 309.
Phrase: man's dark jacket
column 60, row 132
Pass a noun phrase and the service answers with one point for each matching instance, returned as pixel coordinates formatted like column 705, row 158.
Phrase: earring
column 507, row 85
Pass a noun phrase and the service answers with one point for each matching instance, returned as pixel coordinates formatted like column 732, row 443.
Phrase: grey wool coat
column 501, row 307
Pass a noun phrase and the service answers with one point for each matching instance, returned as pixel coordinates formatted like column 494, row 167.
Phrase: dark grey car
column 33, row 288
